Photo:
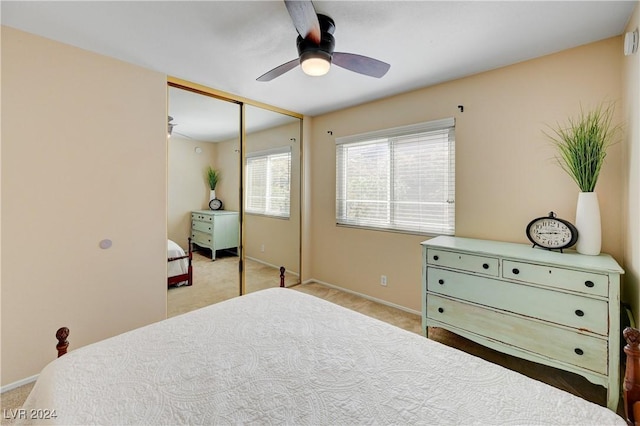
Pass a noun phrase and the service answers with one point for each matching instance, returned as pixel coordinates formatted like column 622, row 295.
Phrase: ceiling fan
column 315, row 47
column 170, row 127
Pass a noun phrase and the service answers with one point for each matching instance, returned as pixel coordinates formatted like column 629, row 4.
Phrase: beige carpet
column 13, row 400
column 182, row 299
column 397, row 317
column 215, row 281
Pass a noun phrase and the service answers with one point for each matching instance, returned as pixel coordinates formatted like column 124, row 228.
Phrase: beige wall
column 505, row 173
column 83, row 159
column 228, row 163
column 188, row 188
column 306, row 205
column 631, row 222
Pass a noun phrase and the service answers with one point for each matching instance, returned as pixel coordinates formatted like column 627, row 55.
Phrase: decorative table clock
column 551, row 232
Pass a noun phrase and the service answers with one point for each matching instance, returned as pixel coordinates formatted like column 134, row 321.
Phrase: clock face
column 551, row 233
column 215, row 204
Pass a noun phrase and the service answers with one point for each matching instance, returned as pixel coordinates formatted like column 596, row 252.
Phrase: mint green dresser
column 558, row 309
column 215, row 230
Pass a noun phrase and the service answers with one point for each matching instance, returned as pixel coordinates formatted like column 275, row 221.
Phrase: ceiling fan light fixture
column 315, row 63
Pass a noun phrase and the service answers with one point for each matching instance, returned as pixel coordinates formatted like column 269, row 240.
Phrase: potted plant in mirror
column 213, row 176
column 582, row 147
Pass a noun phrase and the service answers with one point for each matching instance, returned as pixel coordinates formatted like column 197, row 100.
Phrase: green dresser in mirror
column 215, row 230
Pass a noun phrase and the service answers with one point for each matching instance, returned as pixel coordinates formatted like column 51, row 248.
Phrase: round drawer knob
column 435, row 257
column 441, row 310
column 578, row 351
column 485, row 265
column 440, row 281
column 589, row 284
column 515, row 271
column 579, row 313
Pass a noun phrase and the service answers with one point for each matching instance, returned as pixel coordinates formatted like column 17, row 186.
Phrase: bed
column 179, row 268
column 280, row 356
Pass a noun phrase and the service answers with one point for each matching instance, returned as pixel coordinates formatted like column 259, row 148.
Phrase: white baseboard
column 365, row 296
column 273, row 266
column 12, row 386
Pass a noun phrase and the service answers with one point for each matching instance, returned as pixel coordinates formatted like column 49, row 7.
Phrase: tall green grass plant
column 582, row 145
column 213, row 176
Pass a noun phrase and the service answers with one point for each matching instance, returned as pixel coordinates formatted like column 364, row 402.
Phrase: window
column 398, row 179
column 268, row 177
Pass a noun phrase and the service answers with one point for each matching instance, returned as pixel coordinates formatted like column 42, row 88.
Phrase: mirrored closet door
column 246, row 236
column 204, row 136
column 271, row 198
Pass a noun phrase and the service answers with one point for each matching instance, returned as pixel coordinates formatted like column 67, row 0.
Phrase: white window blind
column 268, row 182
column 399, row 179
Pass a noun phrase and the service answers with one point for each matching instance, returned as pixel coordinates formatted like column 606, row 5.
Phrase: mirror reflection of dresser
column 215, row 230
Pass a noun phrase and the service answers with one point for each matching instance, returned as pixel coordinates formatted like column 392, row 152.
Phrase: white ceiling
column 226, row 45
column 208, row 119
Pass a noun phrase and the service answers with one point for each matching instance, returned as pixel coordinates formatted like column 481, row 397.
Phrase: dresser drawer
column 199, row 216
column 540, row 338
column 202, row 226
column 584, row 313
column 463, row 261
column 567, row 279
column 202, row 239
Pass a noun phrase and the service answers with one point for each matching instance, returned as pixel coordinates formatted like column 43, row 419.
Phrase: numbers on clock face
column 550, row 233
column 215, row 204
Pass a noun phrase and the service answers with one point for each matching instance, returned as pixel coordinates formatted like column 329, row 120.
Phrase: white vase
column 588, row 224
column 212, row 194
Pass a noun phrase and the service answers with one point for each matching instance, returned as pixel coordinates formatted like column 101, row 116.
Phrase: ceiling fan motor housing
column 326, row 24
column 327, row 43
column 323, row 50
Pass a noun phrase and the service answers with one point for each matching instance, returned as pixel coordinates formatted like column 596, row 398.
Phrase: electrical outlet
column 383, row 280
column 262, row 248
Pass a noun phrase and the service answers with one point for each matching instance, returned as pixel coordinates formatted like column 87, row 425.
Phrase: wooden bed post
column 631, row 388
column 282, row 276
column 63, row 344
column 190, row 268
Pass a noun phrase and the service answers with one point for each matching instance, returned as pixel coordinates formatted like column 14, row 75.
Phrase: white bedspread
column 176, row 267
column 279, row 356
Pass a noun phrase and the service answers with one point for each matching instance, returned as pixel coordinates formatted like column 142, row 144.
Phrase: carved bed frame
column 631, row 386
column 188, row 276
